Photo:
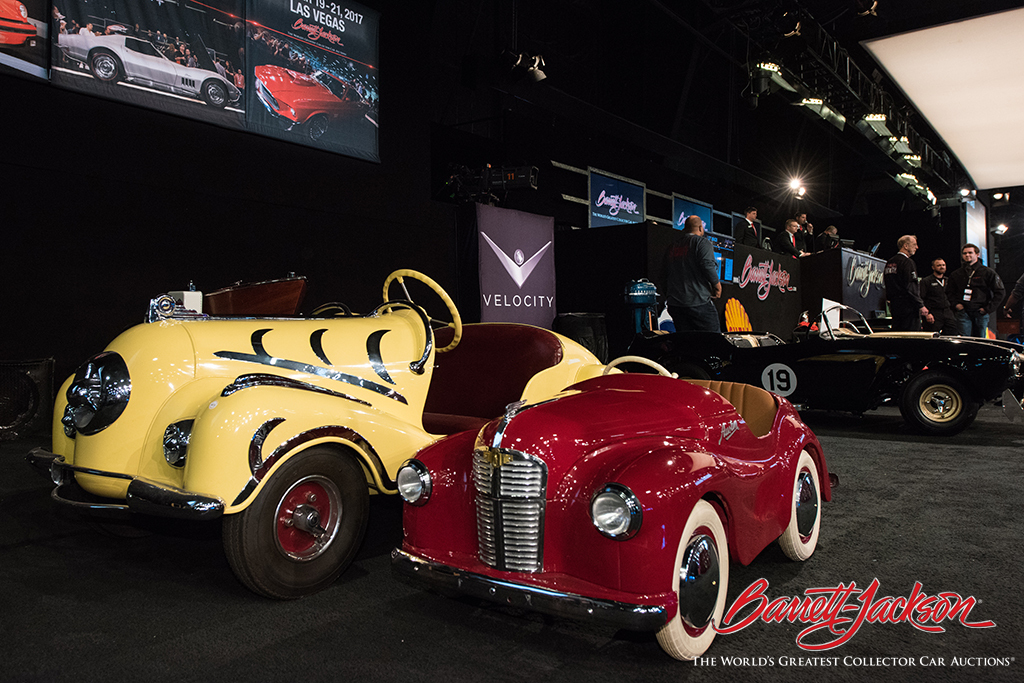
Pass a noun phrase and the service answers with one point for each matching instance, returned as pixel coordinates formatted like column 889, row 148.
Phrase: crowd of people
column 958, row 304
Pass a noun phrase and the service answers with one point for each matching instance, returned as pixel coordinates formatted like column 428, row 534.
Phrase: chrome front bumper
column 449, row 580
column 144, row 497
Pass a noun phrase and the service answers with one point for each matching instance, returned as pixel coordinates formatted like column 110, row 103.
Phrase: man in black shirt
column 974, row 292
column 902, row 288
column 940, row 316
column 829, row 239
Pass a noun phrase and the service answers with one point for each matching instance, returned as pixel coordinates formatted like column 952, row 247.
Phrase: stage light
column 965, row 192
column 997, row 196
column 768, row 66
column 865, row 8
column 877, row 123
column 1001, row 229
column 801, row 192
column 795, row 183
column 913, row 159
column 789, row 25
column 534, row 70
column 901, row 144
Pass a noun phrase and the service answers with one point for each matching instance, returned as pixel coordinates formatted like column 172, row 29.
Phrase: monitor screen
column 724, row 247
column 683, row 208
column 615, row 200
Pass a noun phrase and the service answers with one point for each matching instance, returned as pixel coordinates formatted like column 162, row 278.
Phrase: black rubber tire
column 215, row 94
column 316, row 127
column 935, row 402
column 252, row 538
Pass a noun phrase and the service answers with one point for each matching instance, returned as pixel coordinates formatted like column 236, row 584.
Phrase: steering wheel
column 662, row 370
column 456, row 323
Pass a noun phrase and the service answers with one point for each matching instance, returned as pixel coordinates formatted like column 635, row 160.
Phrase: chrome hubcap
column 806, row 505
column 699, row 582
column 104, row 66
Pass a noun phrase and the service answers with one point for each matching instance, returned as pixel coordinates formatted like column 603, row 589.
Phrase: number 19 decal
column 779, row 378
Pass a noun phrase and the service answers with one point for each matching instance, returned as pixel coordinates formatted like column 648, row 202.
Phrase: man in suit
column 747, row 231
column 786, row 242
column 805, row 233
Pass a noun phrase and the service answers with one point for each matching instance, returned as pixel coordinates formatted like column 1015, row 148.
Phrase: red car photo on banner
column 22, row 36
column 313, row 74
column 180, row 58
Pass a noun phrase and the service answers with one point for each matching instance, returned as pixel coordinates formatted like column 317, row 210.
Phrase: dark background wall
column 106, row 205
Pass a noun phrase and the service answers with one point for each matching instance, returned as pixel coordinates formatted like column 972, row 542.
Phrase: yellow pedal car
column 284, row 426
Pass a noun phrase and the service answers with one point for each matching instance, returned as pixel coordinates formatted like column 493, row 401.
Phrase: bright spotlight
column 1001, row 229
column 795, row 183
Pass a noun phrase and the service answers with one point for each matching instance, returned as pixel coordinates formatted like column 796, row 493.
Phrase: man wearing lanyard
column 975, row 290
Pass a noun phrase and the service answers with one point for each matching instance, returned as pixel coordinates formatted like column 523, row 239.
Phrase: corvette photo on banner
column 181, row 57
column 311, row 74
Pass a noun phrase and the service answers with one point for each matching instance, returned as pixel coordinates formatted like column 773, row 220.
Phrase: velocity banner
column 516, row 266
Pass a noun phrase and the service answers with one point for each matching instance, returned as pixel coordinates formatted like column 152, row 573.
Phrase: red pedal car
column 622, row 501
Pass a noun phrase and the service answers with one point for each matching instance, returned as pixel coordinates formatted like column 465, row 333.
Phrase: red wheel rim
column 307, row 518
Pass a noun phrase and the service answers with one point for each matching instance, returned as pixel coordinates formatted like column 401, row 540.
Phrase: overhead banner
column 516, row 266
column 312, row 67
column 179, row 57
column 299, row 70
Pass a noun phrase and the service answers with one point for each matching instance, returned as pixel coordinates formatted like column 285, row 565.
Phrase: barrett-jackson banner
column 765, row 284
column 863, row 287
column 516, row 266
column 300, row 70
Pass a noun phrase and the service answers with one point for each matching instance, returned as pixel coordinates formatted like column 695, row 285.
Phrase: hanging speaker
column 26, row 397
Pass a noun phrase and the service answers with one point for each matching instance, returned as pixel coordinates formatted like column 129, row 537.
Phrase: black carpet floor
column 80, row 602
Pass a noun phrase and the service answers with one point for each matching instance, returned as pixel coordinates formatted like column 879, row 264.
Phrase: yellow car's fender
column 239, row 440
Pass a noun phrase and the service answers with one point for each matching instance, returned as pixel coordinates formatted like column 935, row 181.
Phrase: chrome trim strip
column 259, row 379
column 261, row 466
column 261, row 357
column 373, row 353
column 416, row 366
column 446, row 579
column 154, row 499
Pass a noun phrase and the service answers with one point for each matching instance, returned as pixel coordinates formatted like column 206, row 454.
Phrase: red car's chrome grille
column 510, row 490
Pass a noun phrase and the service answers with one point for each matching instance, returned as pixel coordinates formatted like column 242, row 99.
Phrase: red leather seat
column 487, row 370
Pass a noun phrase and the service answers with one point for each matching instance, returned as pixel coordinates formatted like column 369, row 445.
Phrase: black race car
column 938, row 382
